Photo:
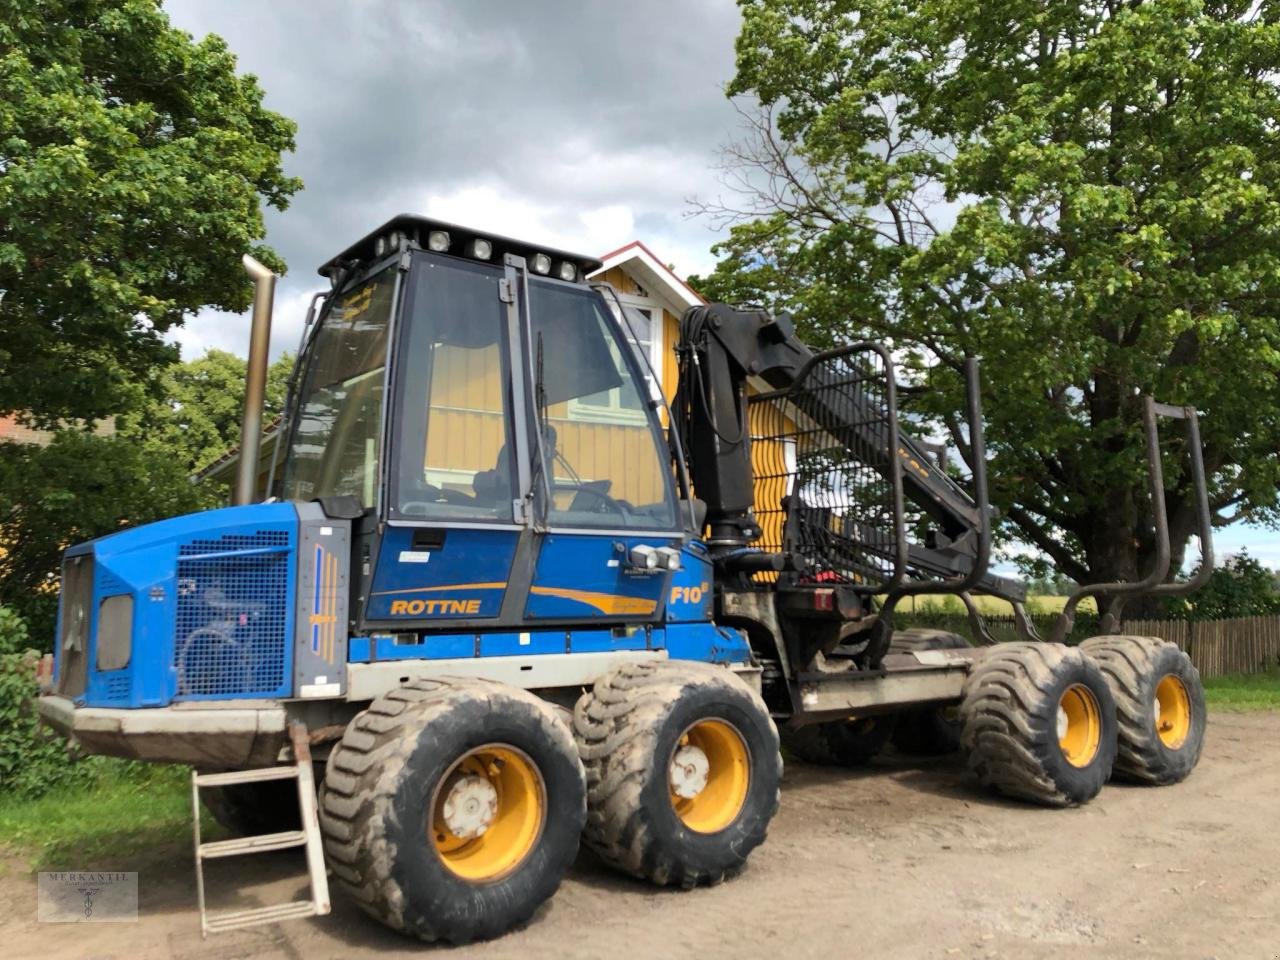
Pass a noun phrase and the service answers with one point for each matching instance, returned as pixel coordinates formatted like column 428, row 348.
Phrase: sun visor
column 576, row 361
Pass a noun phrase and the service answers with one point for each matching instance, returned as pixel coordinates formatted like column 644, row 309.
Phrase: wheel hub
column 470, row 806
column 690, row 771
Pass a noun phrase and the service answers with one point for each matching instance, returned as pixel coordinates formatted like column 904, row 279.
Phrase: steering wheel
column 604, row 502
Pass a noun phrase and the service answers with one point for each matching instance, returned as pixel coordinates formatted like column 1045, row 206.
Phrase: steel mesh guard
column 231, row 632
column 821, row 452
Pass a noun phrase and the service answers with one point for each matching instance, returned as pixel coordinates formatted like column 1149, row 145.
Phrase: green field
column 1251, row 691
column 101, row 821
column 947, row 604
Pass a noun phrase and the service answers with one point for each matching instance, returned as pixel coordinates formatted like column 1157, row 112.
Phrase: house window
column 643, row 331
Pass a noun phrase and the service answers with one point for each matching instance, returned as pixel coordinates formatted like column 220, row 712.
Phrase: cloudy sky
column 583, row 125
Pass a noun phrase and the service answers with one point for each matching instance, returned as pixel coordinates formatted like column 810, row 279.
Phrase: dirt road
column 897, row 861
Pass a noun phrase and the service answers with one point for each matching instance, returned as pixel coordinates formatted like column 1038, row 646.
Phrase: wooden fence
column 1216, row 647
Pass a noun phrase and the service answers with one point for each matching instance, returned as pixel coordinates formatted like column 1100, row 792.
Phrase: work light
column 541, row 263
column 568, row 271
column 438, row 241
column 480, row 248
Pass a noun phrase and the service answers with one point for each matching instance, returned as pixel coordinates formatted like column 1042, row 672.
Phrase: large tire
column 249, row 809
column 424, row 753
column 1039, row 723
column 931, row 730
column 840, row 743
column 1159, row 704
column 633, row 726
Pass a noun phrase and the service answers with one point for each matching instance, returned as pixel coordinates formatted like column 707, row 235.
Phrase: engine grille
column 76, row 609
column 231, row 631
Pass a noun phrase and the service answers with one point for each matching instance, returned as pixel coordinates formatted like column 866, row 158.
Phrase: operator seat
column 496, row 485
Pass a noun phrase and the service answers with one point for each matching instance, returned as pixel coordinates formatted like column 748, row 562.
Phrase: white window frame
column 614, row 413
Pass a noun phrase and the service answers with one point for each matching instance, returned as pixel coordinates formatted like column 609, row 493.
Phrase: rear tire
column 840, row 743
column 1159, row 703
column 655, row 815
column 452, row 808
column 1039, row 723
column 930, row 731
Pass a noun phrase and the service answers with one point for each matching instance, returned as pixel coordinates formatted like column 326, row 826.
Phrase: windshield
column 333, row 447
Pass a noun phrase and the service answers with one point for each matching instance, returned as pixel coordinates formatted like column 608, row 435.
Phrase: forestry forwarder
column 478, row 522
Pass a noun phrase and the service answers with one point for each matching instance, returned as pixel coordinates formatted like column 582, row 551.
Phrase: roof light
column 438, row 241
column 541, row 263
column 480, row 248
column 380, row 246
column 568, row 271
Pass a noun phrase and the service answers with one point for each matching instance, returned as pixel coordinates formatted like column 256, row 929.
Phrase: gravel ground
column 900, row 860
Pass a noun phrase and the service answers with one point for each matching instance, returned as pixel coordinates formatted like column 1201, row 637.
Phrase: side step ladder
column 308, row 836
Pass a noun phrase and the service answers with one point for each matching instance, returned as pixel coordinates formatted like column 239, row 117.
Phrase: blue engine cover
column 213, row 611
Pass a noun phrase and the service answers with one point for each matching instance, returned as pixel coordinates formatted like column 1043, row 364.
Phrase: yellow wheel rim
column 1172, row 711
column 495, row 797
column 708, row 776
column 1079, row 725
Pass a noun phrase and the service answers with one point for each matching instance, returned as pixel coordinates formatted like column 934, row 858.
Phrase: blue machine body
column 216, row 606
column 205, row 589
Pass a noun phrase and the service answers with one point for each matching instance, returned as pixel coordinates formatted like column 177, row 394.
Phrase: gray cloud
column 581, row 124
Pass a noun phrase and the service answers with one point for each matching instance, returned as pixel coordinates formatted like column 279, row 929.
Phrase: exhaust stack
column 255, row 387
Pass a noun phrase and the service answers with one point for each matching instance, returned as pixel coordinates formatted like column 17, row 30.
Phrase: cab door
column 455, row 521
column 603, row 483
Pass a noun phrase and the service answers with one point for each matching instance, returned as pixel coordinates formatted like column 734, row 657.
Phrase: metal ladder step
column 308, row 837
column 244, row 776
column 260, row 843
column 234, row 920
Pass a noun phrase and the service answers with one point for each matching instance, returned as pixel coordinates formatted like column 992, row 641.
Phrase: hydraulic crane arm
column 721, row 350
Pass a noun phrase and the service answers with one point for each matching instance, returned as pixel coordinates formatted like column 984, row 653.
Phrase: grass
column 89, row 825
column 1244, row 691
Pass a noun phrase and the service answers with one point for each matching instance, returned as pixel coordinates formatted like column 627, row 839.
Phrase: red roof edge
column 658, row 260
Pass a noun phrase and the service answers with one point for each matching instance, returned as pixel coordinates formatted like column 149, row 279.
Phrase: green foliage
column 133, row 162
column 1087, row 194
column 79, row 487
column 14, row 636
column 1241, row 587
column 198, row 416
column 32, row 761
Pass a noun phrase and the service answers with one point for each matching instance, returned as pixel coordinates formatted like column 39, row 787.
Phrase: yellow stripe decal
column 609, row 603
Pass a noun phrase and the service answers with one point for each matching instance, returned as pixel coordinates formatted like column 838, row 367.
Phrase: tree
column 198, row 416
column 1241, row 587
column 1087, row 194
column 133, row 161
column 79, row 487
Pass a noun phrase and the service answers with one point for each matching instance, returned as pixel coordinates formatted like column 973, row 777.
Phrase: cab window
column 610, row 470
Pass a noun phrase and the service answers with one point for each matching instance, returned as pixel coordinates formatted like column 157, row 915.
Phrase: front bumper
column 236, row 735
